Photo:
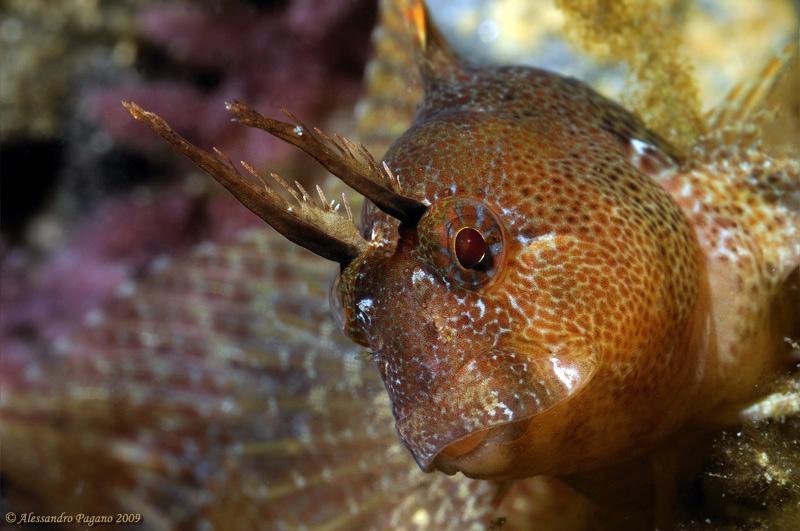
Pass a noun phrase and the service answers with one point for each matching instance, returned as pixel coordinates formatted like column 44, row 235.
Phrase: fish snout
column 489, row 401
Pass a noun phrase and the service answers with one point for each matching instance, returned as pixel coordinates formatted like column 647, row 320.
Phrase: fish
column 544, row 286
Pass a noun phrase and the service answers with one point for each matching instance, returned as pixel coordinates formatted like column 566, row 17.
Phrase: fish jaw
column 491, row 400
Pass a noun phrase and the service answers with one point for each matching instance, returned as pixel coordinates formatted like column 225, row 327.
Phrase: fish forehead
column 490, row 133
column 541, row 99
column 546, row 153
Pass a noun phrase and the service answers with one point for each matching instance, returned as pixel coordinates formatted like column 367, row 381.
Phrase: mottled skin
column 748, row 225
column 606, row 317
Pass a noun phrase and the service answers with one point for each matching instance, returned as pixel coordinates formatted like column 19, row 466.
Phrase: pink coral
column 308, row 55
column 309, row 58
column 43, row 301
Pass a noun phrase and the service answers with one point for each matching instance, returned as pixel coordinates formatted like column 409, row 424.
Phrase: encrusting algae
column 646, row 35
column 547, row 288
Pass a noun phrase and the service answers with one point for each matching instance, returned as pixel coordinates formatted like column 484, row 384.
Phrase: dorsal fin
column 434, row 56
column 739, row 120
column 393, row 87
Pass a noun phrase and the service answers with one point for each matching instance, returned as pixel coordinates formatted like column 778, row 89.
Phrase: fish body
column 606, row 283
column 744, row 207
column 589, row 257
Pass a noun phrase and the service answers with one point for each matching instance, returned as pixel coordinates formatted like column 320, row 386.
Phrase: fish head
column 541, row 296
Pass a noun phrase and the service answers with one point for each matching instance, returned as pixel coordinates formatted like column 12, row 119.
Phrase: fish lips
column 497, row 389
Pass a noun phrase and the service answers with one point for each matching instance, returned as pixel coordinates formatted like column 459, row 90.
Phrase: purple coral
column 308, row 57
column 306, row 54
column 43, row 301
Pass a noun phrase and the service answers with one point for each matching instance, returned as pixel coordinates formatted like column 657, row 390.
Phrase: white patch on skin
column 722, row 249
column 525, row 241
column 551, row 237
column 506, row 410
column 419, row 275
column 482, row 307
column 513, row 301
column 471, row 366
column 568, row 376
column 640, row 147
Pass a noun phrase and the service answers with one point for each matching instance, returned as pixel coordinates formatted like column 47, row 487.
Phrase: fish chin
column 489, row 404
column 483, row 453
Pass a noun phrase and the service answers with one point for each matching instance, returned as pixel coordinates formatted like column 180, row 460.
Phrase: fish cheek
column 384, row 295
column 488, row 404
column 646, row 370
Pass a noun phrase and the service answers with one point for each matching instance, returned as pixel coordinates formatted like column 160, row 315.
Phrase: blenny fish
column 546, row 287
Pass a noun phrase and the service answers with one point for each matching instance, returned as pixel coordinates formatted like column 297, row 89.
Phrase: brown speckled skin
column 745, row 209
column 580, row 349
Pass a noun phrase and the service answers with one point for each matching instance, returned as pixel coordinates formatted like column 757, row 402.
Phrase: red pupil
column 470, row 247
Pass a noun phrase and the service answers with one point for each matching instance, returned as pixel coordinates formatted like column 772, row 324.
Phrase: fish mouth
column 491, row 401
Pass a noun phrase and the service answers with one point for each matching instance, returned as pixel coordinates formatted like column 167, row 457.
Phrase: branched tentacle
column 365, row 178
column 322, row 231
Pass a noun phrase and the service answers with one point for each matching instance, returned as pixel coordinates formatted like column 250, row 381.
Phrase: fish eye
column 464, row 240
column 470, row 247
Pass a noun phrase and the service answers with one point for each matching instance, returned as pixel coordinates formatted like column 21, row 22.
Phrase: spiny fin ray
column 741, row 117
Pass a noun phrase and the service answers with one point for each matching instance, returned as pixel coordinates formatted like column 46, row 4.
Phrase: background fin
column 218, row 391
